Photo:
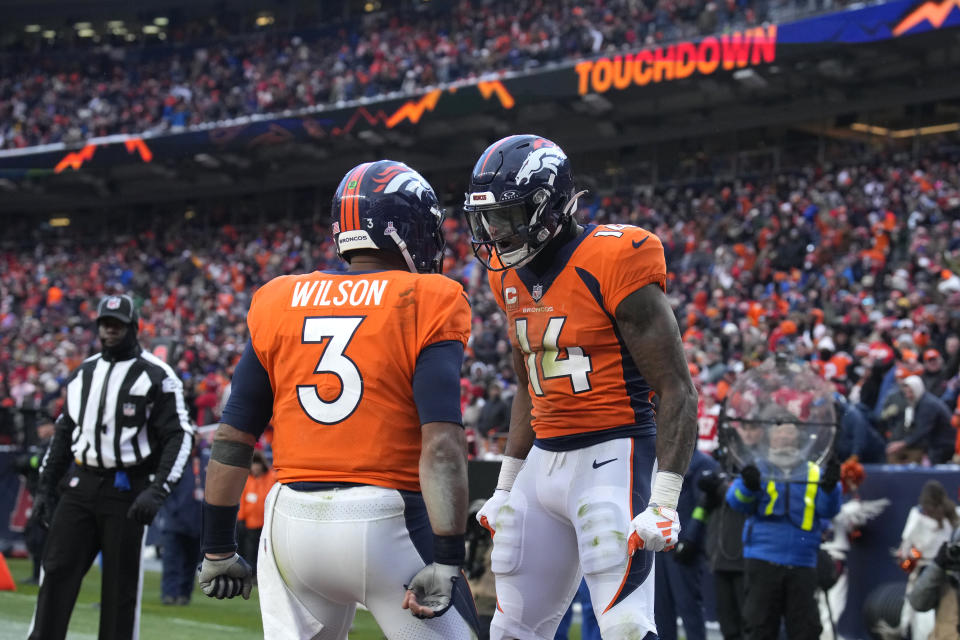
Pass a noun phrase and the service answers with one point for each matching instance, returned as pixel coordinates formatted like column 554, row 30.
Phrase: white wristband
column 509, row 469
column 666, row 489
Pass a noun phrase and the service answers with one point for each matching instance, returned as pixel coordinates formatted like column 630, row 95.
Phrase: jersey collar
column 530, row 279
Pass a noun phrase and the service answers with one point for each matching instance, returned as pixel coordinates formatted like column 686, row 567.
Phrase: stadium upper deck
column 876, row 74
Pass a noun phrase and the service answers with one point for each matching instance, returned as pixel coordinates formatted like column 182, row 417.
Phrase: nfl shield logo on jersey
column 129, row 409
column 537, row 292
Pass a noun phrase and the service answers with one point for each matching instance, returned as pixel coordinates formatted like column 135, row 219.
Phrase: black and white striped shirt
column 127, row 413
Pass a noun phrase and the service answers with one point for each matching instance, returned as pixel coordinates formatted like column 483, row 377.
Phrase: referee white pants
column 568, row 516
column 322, row 552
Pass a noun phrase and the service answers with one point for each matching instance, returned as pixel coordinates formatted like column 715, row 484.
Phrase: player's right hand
column 430, row 592
column 226, row 578
column 487, row 516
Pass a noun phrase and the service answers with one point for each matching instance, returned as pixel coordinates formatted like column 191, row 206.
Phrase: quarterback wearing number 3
column 359, row 374
column 591, row 476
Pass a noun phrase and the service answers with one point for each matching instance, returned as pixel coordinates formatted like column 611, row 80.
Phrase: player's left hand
column 430, row 593
column 226, row 577
column 148, row 502
column 655, row 529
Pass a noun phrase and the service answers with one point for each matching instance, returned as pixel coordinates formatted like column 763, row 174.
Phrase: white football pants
column 569, row 515
column 322, row 552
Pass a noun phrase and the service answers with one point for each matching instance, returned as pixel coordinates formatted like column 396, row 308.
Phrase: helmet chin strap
column 571, row 207
column 403, row 250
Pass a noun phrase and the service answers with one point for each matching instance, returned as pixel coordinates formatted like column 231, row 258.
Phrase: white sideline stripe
column 18, row 630
column 16, row 594
column 205, row 625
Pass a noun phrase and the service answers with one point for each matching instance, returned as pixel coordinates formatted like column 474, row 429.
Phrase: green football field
column 203, row 619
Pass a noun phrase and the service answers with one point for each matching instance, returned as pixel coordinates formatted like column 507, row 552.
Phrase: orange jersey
column 254, row 499
column 340, row 351
column 581, row 376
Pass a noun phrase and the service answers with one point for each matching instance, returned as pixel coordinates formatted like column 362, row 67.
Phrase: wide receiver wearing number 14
column 594, row 337
column 359, row 374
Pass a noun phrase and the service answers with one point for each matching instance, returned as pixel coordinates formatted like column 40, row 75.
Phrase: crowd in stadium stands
column 54, row 96
column 855, row 269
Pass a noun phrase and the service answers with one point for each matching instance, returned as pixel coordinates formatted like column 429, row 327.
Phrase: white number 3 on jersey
column 340, row 331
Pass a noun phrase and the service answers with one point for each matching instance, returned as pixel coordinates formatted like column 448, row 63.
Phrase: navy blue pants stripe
column 418, row 527
column 641, row 465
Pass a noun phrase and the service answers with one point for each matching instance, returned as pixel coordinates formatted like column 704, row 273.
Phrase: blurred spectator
column 252, row 502
column 934, row 374
column 495, row 413
column 856, row 435
column 927, row 429
column 181, row 515
column 679, row 575
column 209, row 401
column 708, row 414
column 929, row 525
column 724, row 548
column 28, row 465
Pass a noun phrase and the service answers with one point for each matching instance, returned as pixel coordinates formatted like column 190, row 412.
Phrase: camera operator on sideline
column 938, row 587
column 28, row 465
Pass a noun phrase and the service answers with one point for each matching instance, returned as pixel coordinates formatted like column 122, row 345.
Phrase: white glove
column 430, row 592
column 655, row 529
column 226, row 578
column 487, row 516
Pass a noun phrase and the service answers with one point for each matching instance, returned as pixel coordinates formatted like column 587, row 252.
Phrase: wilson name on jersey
column 340, row 351
column 582, row 377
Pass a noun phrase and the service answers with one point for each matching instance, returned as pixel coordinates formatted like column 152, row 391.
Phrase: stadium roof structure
column 889, row 71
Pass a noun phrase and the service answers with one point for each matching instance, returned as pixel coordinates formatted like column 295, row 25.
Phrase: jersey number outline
column 576, row 365
column 340, row 331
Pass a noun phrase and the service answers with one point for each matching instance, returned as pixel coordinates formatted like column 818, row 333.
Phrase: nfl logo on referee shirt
column 537, row 292
column 129, row 409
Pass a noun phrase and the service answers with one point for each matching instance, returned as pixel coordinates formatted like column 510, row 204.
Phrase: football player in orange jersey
column 590, row 478
column 359, row 374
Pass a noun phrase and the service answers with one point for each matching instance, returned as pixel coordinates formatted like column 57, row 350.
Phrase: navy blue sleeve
column 436, row 382
column 250, row 406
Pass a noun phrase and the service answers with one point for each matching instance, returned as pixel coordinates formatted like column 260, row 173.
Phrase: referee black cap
column 119, row 307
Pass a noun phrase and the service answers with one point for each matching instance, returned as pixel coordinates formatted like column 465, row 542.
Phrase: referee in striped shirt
column 125, row 428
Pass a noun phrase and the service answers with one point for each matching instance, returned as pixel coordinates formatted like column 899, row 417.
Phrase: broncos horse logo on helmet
column 546, row 158
column 521, row 195
column 401, row 178
column 388, row 206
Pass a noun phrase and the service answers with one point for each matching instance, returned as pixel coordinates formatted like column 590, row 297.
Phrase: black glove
column 751, row 477
column 44, row 504
column 711, row 485
column 685, row 552
column 709, row 482
column 146, row 505
column 831, row 475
